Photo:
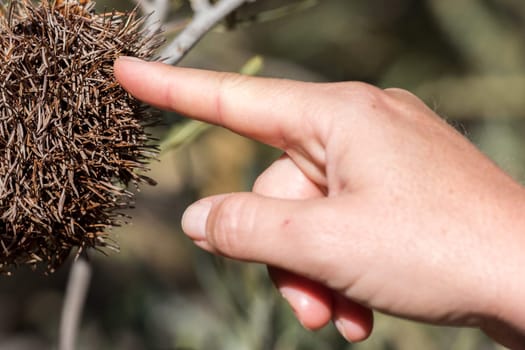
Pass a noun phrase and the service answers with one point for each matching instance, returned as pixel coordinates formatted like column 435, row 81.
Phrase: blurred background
column 465, row 58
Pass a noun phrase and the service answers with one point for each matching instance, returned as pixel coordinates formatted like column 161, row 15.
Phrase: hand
column 377, row 203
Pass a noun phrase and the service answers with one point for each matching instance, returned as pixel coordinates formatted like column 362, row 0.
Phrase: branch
column 200, row 5
column 145, row 6
column 156, row 10
column 76, row 292
column 206, row 17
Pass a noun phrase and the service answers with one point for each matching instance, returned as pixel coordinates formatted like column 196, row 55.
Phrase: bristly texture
column 71, row 139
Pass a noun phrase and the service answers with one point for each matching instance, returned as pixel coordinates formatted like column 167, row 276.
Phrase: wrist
column 505, row 309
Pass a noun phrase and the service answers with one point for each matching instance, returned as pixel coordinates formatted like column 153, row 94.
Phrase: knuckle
column 362, row 98
column 260, row 184
column 405, row 97
column 359, row 101
column 401, row 94
column 231, row 224
column 226, row 82
column 359, row 91
column 395, row 91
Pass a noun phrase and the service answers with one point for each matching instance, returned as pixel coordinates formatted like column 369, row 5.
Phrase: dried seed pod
column 71, row 139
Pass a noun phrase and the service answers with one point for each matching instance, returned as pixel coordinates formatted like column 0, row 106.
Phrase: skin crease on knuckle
column 224, row 225
column 227, row 84
column 309, row 115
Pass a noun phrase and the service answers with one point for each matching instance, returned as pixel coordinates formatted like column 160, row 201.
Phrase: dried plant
column 71, row 139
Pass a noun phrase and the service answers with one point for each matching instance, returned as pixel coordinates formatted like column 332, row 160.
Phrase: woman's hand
column 377, row 203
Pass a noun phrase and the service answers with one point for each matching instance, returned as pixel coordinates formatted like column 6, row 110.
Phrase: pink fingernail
column 294, row 299
column 341, row 327
column 195, row 218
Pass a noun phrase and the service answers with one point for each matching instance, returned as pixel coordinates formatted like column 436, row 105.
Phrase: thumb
column 283, row 233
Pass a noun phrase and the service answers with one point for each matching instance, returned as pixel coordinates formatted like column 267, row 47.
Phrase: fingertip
column 124, row 69
column 311, row 310
column 124, row 63
column 146, row 81
column 352, row 320
column 194, row 219
column 310, row 301
column 353, row 332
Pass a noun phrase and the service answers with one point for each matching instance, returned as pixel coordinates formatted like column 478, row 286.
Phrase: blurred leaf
column 183, row 133
column 253, row 66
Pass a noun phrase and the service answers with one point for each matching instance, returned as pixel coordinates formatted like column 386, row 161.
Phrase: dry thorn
column 71, row 139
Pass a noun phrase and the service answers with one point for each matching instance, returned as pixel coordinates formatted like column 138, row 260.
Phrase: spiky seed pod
column 71, row 139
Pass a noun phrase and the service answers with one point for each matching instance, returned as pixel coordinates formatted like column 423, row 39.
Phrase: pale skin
column 376, row 203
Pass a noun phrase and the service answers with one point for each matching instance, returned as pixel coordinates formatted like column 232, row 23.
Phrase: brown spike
column 71, row 139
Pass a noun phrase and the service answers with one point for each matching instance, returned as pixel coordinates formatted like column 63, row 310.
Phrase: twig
column 159, row 15
column 156, row 10
column 75, row 297
column 175, row 26
column 204, row 20
column 145, row 6
column 200, row 5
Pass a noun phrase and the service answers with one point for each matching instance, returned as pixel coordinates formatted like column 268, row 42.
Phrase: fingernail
column 130, row 58
column 295, row 298
column 194, row 220
column 341, row 327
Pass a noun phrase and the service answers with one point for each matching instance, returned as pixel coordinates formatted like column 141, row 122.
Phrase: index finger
column 269, row 110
